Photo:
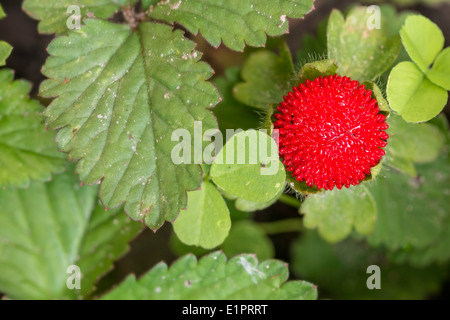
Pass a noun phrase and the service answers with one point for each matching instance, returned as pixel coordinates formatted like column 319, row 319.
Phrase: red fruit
column 330, row 132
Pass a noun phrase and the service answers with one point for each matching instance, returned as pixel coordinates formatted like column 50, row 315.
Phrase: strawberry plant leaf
column 121, row 93
column 235, row 22
column 422, row 39
column 206, row 221
column 341, row 270
column 411, row 211
column 441, row 69
column 50, row 226
column 336, row 212
column 247, row 236
column 27, row 151
column 267, row 77
column 411, row 143
column 362, row 52
column 215, row 278
column 412, row 95
column 246, row 170
column 53, row 15
column 439, row 250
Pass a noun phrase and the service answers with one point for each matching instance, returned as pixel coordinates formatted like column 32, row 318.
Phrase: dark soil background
column 149, row 248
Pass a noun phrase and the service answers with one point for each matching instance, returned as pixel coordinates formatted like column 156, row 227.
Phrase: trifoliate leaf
column 411, row 143
column 251, row 171
column 411, row 211
column 341, row 271
column 248, row 237
column 53, row 15
column 51, row 226
column 235, row 22
column 412, row 95
column 251, row 206
column 27, row 151
column 362, row 51
column 267, row 77
column 206, row 221
column 213, row 278
column 335, row 213
column 121, row 94
column 439, row 73
column 180, row 249
column 423, row 40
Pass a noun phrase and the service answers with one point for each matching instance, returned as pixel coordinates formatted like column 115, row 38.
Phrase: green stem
column 291, row 201
column 282, row 226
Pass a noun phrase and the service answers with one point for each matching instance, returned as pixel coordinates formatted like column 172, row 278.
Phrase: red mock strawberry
column 331, row 132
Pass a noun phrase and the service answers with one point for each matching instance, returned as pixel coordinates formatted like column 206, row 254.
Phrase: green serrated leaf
column 206, row 221
column 213, row 278
column 230, row 113
column 27, row 151
column 341, row 271
column 411, row 143
column 267, row 78
column 53, row 15
column 412, row 95
column 50, row 226
column 439, row 73
column 336, row 212
column 248, row 237
column 410, row 211
column 235, row 22
column 422, row 39
column 105, row 240
column 120, row 96
column 362, row 52
column 246, row 170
